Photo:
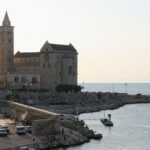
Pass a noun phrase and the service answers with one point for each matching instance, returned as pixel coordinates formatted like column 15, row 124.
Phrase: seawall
column 90, row 102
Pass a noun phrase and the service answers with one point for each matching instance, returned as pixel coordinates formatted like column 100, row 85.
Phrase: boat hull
column 107, row 122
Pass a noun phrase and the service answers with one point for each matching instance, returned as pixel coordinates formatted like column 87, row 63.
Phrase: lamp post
column 112, row 87
column 28, row 84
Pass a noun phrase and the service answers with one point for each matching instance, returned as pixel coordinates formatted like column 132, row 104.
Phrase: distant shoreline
column 130, row 88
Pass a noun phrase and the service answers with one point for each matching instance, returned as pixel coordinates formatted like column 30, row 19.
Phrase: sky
column 112, row 37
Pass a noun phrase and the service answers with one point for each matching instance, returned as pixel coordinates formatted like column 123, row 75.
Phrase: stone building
column 54, row 64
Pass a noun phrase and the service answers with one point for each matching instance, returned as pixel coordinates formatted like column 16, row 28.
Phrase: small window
column 43, row 65
column 34, row 80
column 23, row 79
column 70, row 69
column 9, row 40
column 16, row 79
column 49, row 65
column 46, row 57
column 9, row 33
column 74, row 74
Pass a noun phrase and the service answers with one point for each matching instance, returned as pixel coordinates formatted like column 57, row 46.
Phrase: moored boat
column 107, row 121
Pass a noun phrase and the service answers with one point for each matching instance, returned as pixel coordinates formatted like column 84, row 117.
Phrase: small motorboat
column 107, row 121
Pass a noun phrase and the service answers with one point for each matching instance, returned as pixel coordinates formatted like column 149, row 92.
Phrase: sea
column 130, row 88
column 131, row 130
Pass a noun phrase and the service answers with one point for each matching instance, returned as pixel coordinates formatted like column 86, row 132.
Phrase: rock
column 97, row 136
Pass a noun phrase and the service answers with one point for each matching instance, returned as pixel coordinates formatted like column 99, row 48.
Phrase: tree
column 68, row 88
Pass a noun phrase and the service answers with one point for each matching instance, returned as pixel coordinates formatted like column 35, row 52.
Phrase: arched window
column 34, row 80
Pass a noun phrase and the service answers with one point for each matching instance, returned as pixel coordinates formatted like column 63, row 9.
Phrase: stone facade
column 54, row 64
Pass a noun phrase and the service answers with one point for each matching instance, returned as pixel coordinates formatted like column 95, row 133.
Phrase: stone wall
column 46, row 127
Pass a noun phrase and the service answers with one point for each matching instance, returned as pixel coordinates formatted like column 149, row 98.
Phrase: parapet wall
column 20, row 111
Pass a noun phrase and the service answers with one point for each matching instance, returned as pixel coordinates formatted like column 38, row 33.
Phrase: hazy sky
column 112, row 36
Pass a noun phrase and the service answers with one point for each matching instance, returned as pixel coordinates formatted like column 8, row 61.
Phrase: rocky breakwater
column 88, row 101
column 63, row 131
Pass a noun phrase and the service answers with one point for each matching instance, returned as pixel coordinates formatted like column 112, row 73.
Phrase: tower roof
column 6, row 21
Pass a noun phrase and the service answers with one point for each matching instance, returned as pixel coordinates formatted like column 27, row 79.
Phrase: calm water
column 131, row 129
column 131, row 88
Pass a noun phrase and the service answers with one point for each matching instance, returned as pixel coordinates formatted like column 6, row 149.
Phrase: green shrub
column 68, row 88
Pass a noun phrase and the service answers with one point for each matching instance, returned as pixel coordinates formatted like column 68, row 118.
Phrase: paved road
column 13, row 140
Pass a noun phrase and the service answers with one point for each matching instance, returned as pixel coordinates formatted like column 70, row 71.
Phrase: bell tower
column 6, row 49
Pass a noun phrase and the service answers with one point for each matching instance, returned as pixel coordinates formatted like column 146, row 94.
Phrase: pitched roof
column 6, row 21
column 26, row 54
column 59, row 47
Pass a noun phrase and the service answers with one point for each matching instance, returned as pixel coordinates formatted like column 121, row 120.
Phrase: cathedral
column 52, row 65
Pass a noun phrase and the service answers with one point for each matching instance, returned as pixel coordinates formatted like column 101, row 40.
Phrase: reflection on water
column 131, row 130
